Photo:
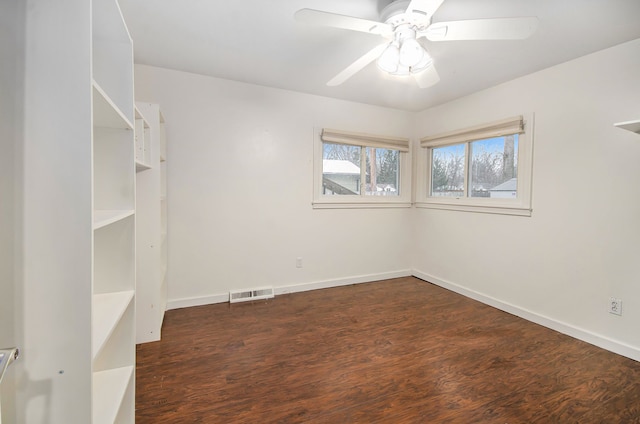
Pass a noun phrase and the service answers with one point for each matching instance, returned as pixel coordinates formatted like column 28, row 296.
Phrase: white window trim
column 321, row 201
column 520, row 206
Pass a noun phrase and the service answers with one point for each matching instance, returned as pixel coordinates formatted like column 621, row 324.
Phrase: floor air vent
column 250, row 294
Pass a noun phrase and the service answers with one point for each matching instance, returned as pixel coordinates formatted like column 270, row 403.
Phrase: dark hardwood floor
column 397, row 351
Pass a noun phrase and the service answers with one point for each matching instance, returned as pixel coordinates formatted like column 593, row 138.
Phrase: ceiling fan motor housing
column 396, row 15
column 404, row 55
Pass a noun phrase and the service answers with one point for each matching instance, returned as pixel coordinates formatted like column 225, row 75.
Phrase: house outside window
column 361, row 170
column 340, row 177
column 486, row 168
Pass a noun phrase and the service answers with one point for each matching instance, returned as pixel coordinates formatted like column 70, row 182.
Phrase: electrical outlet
column 298, row 262
column 615, row 306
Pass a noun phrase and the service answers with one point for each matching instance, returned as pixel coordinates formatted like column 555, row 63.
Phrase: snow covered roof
column 510, row 185
column 335, row 166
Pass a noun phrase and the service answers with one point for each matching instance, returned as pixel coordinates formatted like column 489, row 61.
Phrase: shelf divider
column 109, row 388
column 108, row 308
column 633, row 126
column 102, row 218
column 105, row 112
column 140, row 166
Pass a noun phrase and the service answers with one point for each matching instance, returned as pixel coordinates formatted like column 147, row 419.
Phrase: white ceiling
column 259, row 42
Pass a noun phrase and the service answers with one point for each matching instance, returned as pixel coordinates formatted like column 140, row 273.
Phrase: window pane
column 447, row 171
column 382, row 172
column 340, row 169
column 494, row 167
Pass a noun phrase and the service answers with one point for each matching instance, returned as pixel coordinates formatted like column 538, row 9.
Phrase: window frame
column 362, row 200
column 521, row 205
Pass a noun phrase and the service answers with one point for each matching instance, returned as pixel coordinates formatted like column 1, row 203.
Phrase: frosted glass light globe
column 388, row 60
column 411, row 52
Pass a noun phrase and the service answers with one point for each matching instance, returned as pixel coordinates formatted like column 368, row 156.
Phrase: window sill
column 365, row 204
column 501, row 209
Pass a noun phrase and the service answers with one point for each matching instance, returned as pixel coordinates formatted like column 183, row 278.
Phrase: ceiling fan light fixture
column 389, row 59
column 424, row 63
column 411, row 52
column 402, row 71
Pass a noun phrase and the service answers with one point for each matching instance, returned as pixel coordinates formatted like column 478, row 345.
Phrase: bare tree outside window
column 383, row 172
column 447, row 171
column 342, row 152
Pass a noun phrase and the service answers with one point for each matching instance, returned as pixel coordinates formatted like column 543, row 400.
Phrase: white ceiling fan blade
column 425, row 7
column 427, row 78
column 483, row 29
column 358, row 65
column 318, row 17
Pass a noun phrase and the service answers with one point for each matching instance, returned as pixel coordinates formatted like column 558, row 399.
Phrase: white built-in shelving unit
column 151, row 296
column 143, row 143
column 77, row 213
column 163, row 212
column 114, row 220
column 633, row 126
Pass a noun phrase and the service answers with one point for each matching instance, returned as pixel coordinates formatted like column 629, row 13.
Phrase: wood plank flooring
column 397, row 351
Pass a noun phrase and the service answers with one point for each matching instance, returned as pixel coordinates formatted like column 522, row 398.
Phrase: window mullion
column 363, row 170
column 467, row 172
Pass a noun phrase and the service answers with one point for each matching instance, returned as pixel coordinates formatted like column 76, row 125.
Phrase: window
column 361, row 170
column 483, row 169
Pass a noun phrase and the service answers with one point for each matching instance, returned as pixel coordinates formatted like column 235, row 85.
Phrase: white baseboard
column 294, row 288
column 187, row 302
column 368, row 278
column 561, row 327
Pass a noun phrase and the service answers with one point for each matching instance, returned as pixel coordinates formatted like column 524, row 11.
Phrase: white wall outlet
column 615, row 306
column 298, row 262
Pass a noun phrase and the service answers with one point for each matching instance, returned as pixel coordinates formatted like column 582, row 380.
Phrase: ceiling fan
column 404, row 23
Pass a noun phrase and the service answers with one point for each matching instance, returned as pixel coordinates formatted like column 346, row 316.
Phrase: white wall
column 239, row 172
column 560, row 266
